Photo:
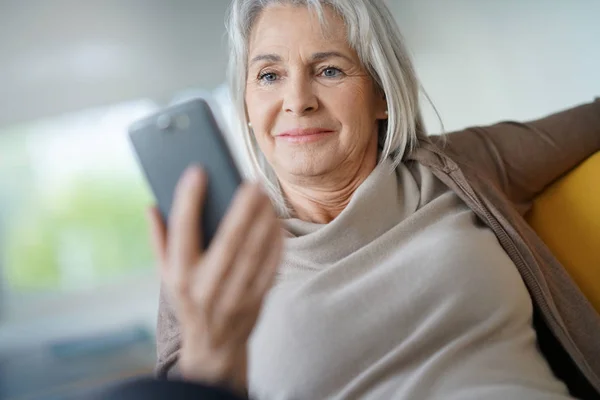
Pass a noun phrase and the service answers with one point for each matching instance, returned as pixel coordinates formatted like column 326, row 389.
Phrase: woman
column 407, row 270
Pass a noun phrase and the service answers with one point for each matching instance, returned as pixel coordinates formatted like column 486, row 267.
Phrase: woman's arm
column 522, row 159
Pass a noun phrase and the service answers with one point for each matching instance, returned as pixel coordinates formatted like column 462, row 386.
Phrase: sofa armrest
column 566, row 216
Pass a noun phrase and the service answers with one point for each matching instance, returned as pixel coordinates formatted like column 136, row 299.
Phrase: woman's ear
column 382, row 107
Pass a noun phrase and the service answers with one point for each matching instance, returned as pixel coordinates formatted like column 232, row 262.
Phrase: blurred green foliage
column 96, row 223
column 85, row 232
column 72, row 202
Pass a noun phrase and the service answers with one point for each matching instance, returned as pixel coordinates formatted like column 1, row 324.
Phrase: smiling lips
column 304, row 135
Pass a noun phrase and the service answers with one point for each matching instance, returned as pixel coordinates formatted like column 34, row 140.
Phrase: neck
column 322, row 199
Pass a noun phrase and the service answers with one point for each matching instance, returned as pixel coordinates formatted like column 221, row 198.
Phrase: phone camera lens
column 163, row 122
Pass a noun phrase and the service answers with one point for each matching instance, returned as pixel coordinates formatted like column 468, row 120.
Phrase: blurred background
column 78, row 286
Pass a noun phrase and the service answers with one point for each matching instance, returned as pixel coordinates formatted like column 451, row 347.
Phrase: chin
column 307, row 166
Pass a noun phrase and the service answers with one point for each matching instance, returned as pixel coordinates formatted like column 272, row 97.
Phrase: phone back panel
column 177, row 137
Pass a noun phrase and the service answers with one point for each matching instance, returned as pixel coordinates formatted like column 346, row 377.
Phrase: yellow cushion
column 567, row 218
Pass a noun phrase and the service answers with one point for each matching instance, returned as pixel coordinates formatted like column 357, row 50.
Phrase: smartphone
column 168, row 142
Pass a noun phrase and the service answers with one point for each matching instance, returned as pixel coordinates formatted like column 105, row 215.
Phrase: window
column 72, row 203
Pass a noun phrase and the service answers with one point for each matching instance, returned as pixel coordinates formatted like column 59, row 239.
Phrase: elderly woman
column 371, row 261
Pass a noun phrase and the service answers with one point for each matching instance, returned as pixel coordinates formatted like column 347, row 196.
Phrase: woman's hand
column 218, row 293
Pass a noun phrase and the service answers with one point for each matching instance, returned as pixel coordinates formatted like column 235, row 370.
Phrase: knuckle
column 203, row 299
column 259, row 194
column 228, row 309
column 231, row 308
column 244, row 197
column 180, row 286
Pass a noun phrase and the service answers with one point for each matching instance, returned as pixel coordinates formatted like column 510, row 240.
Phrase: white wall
column 65, row 55
column 480, row 60
column 484, row 61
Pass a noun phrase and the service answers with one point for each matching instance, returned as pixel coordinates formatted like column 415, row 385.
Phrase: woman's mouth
column 304, row 135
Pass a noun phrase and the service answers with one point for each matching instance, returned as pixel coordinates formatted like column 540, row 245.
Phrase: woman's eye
column 268, row 77
column 331, row 72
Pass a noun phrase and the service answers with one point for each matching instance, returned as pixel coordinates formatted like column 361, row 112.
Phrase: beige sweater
column 405, row 295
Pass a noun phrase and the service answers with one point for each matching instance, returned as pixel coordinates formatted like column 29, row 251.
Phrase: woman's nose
column 299, row 98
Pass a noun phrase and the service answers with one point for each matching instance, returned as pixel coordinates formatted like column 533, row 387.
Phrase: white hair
column 374, row 35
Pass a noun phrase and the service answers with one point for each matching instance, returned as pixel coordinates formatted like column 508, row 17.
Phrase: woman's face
column 312, row 106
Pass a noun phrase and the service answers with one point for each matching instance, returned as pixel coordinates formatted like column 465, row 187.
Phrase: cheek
column 354, row 104
column 251, row 108
column 261, row 107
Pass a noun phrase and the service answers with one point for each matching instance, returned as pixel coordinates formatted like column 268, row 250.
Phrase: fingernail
column 192, row 174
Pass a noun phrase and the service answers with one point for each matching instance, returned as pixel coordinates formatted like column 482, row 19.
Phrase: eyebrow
column 265, row 57
column 328, row 54
column 315, row 57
